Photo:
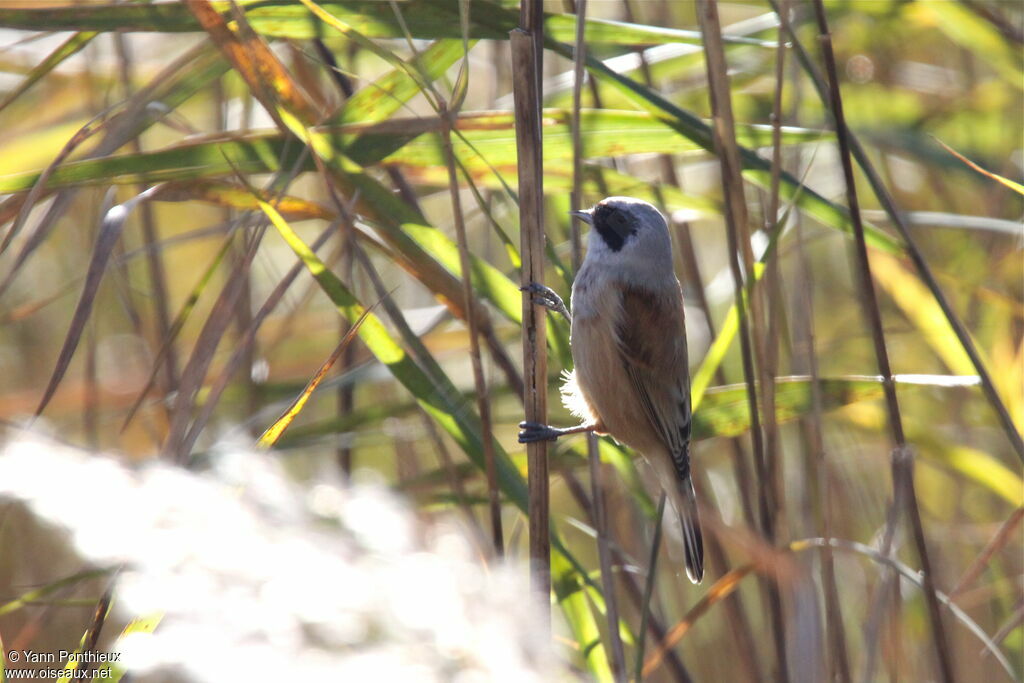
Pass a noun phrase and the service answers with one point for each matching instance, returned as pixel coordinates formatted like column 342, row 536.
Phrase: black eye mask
column 613, row 226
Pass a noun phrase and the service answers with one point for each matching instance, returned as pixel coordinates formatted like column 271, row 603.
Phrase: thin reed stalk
column 483, row 401
column 902, row 456
column 735, row 611
column 724, row 136
column 898, row 219
column 600, row 516
column 645, row 605
column 527, row 66
column 817, row 467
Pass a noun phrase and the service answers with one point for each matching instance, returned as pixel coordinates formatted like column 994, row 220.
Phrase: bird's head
column 628, row 231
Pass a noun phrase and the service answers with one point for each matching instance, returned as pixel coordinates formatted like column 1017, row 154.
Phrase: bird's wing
column 652, row 345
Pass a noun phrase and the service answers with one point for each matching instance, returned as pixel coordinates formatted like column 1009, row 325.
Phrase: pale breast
column 600, row 373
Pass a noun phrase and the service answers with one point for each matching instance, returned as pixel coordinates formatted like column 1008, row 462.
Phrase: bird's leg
column 535, row 431
column 546, row 297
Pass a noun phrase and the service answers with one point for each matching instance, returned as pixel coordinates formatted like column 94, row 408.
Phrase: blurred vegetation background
column 163, row 164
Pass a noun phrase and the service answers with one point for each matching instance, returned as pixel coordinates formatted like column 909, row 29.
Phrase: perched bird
column 631, row 379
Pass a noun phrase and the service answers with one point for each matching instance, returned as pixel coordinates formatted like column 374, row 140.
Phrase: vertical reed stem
column 483, row 401
column 618, row 655
column 726, row 149
column 527, row 61
column 902, row 456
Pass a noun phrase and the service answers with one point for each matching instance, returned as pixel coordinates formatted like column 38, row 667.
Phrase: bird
column 631, row 377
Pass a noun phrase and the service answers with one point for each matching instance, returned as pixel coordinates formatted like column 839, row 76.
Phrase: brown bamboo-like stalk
column 527, row 62
column 806, row 659
column 902, row 456
column 724, row 135
column 483, row 401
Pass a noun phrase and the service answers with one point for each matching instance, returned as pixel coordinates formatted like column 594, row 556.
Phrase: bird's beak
column 585, row 216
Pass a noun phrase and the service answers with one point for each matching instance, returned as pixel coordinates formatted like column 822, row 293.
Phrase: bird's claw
column 531, row 432
column 546, row 297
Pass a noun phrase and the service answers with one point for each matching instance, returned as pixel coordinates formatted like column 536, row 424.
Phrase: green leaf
column 573, row 601
column 41, row 592
column 138, row 625
column 66, row 49
column 425, row 19
column 606, row 133
column 377, row 101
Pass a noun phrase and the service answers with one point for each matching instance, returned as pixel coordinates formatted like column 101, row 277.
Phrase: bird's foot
column 546, row 297
column 531, row 432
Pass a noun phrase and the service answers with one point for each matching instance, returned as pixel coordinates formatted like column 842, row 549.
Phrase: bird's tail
column 693, row 541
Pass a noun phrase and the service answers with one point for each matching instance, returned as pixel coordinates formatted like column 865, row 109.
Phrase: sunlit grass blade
column 90, row 638
column 230, row 195
column 383, row 97
column 572, row 599
column 718, row 591
column 453, row 419
column 918, row 304
column 66, row 49
column 986, row 471
column 254, row 62
column 367, row 141
column 41, row 592
column 1016, row 187
column 920, row 307
column 137, row 627
column 274, row 431
column 603, row 133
